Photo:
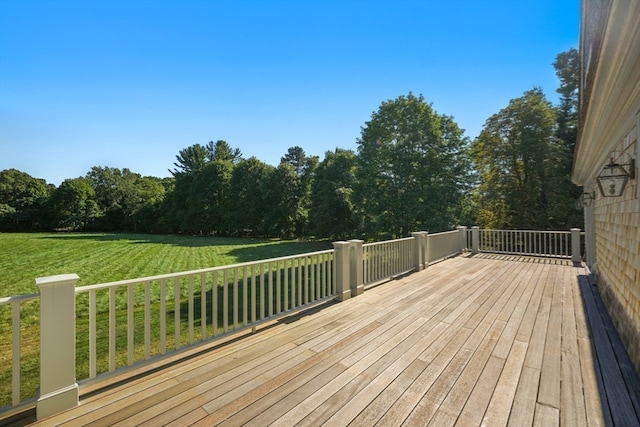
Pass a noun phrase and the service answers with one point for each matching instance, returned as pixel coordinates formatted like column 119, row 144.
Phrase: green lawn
column 100, row 258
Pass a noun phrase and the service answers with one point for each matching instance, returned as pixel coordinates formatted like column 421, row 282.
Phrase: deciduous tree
column 210, row 197
column 249, row 196
column 332, row 210
column 413, row 169
column 22, row 198
column 520, row 163
column 73, row 205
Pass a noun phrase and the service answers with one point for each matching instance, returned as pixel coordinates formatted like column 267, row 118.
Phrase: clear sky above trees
column 128, row 84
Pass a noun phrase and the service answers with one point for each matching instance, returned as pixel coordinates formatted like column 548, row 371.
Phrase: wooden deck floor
column 484, row 340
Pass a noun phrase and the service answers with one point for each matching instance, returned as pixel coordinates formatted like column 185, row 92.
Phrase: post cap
column 60, row 279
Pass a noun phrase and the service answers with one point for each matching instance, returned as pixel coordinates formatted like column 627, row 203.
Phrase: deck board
column 488, row 339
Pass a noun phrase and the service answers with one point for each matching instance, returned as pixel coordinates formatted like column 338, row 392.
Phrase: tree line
column 413, row 170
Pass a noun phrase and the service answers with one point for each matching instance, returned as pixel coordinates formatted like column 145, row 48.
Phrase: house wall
column 609, row 124
column 617, row 245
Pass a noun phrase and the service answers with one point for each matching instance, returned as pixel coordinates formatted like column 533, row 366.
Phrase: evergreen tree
column 221, row 150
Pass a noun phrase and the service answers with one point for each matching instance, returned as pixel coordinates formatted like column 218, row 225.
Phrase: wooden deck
column 483, row 340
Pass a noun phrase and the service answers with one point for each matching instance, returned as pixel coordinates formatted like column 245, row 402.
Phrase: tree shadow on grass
column 247, row 249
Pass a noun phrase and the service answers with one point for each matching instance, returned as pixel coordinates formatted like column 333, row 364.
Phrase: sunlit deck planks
column 498, row 340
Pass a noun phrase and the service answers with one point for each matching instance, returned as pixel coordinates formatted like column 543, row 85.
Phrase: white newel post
column 342, row 274
column 575, row 245
column 58, row 387
column 418, row 249
column 475, row 239
column 463, row 237
column 356, row 267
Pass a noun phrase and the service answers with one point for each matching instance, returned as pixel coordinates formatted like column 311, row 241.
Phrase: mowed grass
column 102, row 258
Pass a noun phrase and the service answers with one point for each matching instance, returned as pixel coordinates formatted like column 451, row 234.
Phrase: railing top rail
column 528, row 231
column 387, row 241
column 444, row 232
column 180, row 274
column 15, row 298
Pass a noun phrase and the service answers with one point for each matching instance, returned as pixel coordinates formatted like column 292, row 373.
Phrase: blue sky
column 128, row 84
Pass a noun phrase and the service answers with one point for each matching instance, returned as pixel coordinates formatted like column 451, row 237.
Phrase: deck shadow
column 618, row 382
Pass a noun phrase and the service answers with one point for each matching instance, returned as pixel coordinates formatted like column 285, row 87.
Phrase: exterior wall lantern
column 585, row 200
column 613, row 177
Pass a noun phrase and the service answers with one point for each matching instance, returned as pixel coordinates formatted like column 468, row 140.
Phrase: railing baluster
column 203, row 305
column 330, row 282
column 245, row 297
column 254, row 289
column 305, row 278
column 176, row 312
column 190, row 308
column 225, row 300
column 387, row 256
column 320, row 276
column 130, row 325
column 235, row 298
column 270, row 286
column 285, row 286
column 393, row 255
column 262, row 291
column 112, row 329
column 163, row 316
column 278, row 288
column 508, row 237
column 312, row 273
column 329, row 263
column 15, row 352
column 531, row 243
column 504, row 240
column 295, row 285
column 92, row 334
column 367, row 264
column 300, row 283
column 322, row 271
column 214, row 302
column 147, row 320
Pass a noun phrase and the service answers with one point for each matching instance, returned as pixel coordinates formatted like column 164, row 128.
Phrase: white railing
column 129, row 322
column 168, row 312
column 14, row 340
column 383, row 260
column 556, row 244
column 444, row 245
